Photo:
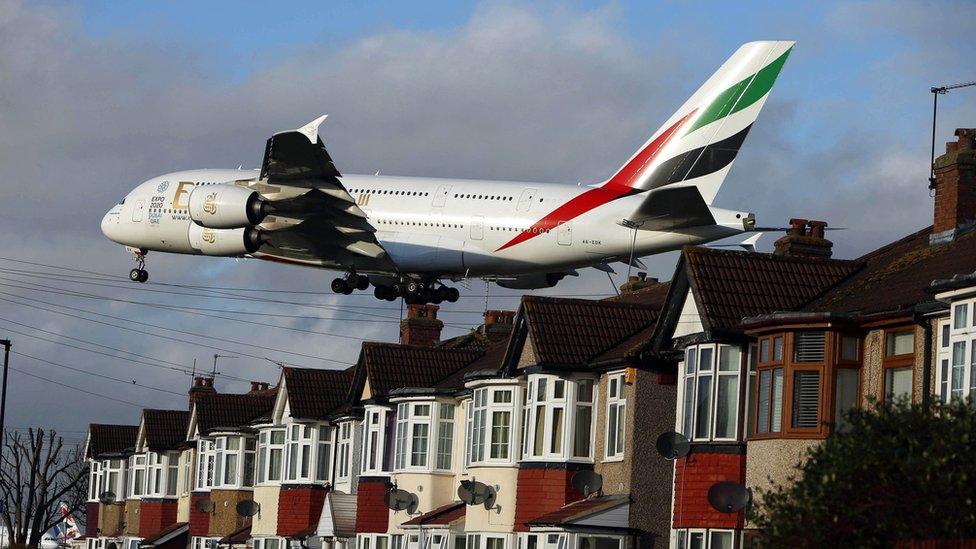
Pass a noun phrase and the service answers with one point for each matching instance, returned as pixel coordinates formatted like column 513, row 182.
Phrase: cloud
column 549, row 94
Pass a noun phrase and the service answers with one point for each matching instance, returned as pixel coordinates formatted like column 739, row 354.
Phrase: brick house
column 107, row 448
column 804, row 339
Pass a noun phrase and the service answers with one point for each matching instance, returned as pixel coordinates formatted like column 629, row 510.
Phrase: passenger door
column 440, row 197
column 477, row 227
column 525, row 201
column 137, row 210
column 564, row 233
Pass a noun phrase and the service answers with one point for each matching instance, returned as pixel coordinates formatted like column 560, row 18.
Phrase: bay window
column 113, row 477
column 206, row 456
column 344, row 450
column 226, row 462
column 323, row 463
column 137, row 484
column 298, row 448
column 616, row 416
column 162, row 469
column 489, row 425
column 271, row 450
column 710, row 392
column 558, row 416
column 374, row 441
column 445, row 437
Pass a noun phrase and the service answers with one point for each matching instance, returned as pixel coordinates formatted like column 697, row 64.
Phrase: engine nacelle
column 226, row 206
column 226, row 242
column 532, row 281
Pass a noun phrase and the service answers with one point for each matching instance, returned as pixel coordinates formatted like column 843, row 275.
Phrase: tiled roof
column 110, row 439
column 571, row 332
column 443, row 515
column 897, row 276
column 237, row 537
column 654, row 295
column 165, row 429
column 232, row 411
column 390, row 366
column 731, row 285
column 161, row 537
column 315, row 393
column 579, row 510
column 491, row 359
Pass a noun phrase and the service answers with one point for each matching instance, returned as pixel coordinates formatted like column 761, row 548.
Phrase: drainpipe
column 926, row 359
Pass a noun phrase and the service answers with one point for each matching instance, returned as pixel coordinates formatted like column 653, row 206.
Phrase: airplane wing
column 672, row 207
column 328, row 228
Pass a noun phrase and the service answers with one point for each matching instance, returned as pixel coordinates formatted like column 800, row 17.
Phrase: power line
column 77, row 388
column 90, row 373
column 151, row 334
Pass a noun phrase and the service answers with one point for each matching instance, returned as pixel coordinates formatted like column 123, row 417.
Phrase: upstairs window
column 344, row 450
column 445, row 437
column 94, row 481
column 137, row 484
column 769, row 402
column 298, row 448
column 710, row 392
column 489, row 426
column 898, row 360
column 616, row 416
column 324, row 454
column 374, row 441
column 557, row 413
column 271, row 451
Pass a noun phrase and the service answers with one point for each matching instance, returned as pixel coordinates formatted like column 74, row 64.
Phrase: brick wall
column 199, row 521
column 955, row 183
column 543, row 488
column 372, row 515
column 156, row 514
column 693, row 476
column 299, row 508
column 91, row 519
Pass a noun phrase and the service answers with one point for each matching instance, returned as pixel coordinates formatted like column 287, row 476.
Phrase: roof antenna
column 936, row 91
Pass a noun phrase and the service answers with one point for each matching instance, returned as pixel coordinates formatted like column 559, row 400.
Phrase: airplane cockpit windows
column 122, row 201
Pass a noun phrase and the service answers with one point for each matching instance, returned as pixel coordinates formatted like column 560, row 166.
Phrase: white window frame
column 693, row 374
column 681, row 537
column 323, row 452
column 266, row 448
column 206, row 464
column 617, row 403
column 262, row 543
column 956, row 375
column 486, row 405
column 345, row 432
column 94, row 480
column 187, row 481
column 479, row 540
column 162, row 471
column 300, row 452
column 374, row 440
column 137, row 485
column 437, row 455
column 545, row 395
column 372, row 541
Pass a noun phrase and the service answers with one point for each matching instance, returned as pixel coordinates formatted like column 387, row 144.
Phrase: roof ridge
column 887, row 247
column 603, row 302
column 705, row 250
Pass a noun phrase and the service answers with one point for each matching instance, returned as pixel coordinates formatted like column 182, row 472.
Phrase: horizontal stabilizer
column 671, row 208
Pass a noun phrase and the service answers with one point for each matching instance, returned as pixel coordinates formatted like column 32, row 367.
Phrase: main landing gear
column 411, row 290
column 139, row 274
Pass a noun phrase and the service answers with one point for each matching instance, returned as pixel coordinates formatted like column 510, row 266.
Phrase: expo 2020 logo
column 162, row 187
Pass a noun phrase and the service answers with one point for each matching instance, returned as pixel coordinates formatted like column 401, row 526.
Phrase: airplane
column 406, row 236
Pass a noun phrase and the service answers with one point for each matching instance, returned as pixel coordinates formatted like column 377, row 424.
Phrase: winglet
column 311, row 130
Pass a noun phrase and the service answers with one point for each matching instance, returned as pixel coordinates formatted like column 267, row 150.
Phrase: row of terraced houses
column 753, row 357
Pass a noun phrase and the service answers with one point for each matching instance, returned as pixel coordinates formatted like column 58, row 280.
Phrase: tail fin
column 697, row 145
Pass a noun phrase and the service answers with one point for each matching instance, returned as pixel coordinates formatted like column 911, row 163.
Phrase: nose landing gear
column 139, row 274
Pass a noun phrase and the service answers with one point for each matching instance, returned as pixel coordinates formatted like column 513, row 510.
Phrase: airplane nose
column 109, row 225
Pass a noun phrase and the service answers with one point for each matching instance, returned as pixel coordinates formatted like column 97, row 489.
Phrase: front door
column 477, row 227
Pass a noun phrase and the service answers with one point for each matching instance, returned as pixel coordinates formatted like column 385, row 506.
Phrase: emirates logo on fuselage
column 210, row 204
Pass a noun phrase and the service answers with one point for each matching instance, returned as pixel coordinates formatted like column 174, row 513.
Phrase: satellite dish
column 107, row 497
column 248, row 508
column 587, row 482
column 672, row 445
column 397, row 499
column 205, row 506
column 729, row 497
column 412, row 504
column 112, row 545
column 473, row 492
column 490, row 499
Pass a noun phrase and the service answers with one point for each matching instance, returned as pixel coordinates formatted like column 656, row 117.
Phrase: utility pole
column 3, row 390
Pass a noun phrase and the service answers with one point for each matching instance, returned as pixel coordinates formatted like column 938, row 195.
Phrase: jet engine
column 226, row 242
column 532, row 281
column 226, row 206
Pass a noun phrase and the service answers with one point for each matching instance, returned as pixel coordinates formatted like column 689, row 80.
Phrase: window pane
column 500, row 430
column 690, row 358
column 612, row 431
column 559, row 389
column 845, row 395
column 581, row 438
column 540, row 430
column 944, row 380
column 556, row 446
column 504, row 397
column 703, row 406
column 900, row 343
column 720, row 540
column 765, row 386
column 958, row 368
column 274, row 464
column 848, row 347
column 705, row 359
column 418, row 445
column 898, row 383
column 696, row 540
column 728, row 358
column 688, row 409
column 778, row 349
column 584, row 391
column 944, row 336
column 726, row 406
column 972, row 369
column 960, row 314
column 806, row 399
column 809, row 346
column 230, row 471
column 764, row 350
column 777, row 401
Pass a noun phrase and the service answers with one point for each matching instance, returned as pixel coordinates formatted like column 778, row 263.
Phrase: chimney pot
column 955, row 187
column 421, row 327
column 801, row 242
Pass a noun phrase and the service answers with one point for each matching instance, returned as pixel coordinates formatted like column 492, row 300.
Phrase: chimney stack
column 201, row 386
column 498, row 324
column 257, row 386
column 804, row 239
column 421, row 326
column 955, row 187
column 637, row 282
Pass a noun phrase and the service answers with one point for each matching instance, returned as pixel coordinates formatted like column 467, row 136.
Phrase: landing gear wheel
column 135, row 275
column 414, row 287
column 385, row 293
column 340, row 286
column 361, row 282
column 451, row 295
column 143, row 275
column 139, row 274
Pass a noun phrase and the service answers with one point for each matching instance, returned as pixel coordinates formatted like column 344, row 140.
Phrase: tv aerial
column 401, row 500
column 248, row 508
column 672, row 445
column 472, row 492
column 729, row 497
column 107, row 497
column 204, row 506
column 587, row 482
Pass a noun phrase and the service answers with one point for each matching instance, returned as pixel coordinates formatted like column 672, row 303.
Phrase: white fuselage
column 436, row 227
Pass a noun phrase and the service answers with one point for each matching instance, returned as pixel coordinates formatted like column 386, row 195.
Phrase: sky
column 96, row 97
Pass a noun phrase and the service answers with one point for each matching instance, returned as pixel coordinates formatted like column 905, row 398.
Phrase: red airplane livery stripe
column 621, row 184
